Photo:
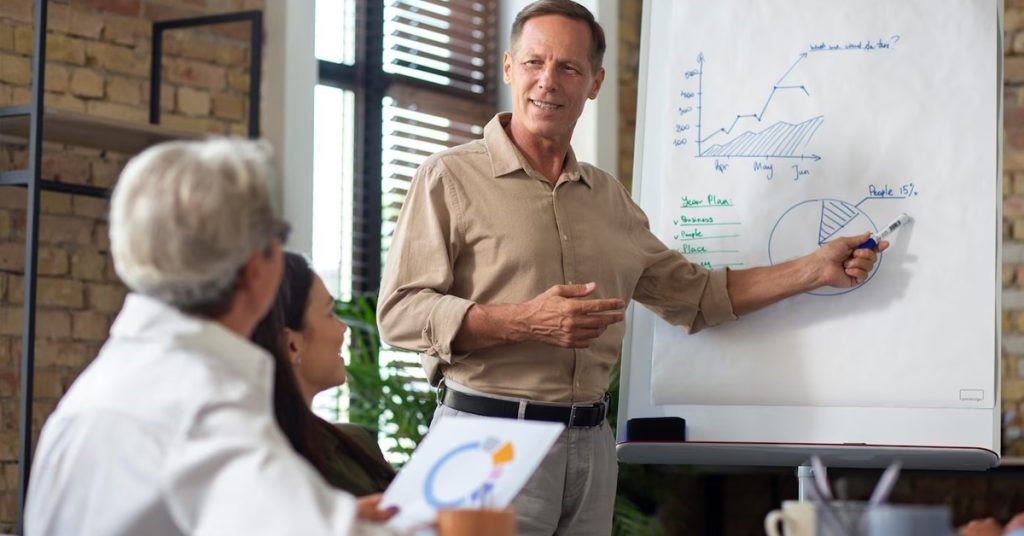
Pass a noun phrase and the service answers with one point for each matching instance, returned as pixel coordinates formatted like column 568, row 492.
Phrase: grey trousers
column 573, row 490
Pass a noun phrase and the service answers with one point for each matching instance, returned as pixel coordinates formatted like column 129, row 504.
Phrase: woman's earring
column 298, row 361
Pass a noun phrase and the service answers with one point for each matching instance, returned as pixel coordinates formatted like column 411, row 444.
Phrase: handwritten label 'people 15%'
column 905, row 190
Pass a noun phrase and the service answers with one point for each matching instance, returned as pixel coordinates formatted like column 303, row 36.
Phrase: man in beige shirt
column 512, row 264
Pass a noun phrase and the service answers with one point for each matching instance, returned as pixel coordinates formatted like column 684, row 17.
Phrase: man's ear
column 596, row 87
column 258, row 280
column 253, row 271
column 506, row 67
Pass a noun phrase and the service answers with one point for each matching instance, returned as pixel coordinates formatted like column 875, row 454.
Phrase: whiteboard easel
column 922, row 437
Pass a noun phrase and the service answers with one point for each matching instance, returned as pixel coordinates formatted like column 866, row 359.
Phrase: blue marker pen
column 879, row 236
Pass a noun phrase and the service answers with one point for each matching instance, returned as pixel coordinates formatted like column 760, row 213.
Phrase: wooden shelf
column 93, row 131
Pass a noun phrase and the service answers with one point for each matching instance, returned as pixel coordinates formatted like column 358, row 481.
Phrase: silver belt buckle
column 572, row 415
column 440, row 392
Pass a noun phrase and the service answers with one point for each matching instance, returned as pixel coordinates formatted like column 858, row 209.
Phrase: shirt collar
column 144, row 317
column 507, row 158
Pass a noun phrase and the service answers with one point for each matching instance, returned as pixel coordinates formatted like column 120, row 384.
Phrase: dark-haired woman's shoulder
column 362, row 435
column 354, row 461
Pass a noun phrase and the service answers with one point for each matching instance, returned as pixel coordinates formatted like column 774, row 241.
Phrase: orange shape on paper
column 504, row 455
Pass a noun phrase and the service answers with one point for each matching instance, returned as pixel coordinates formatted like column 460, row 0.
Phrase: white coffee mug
column 797, row 518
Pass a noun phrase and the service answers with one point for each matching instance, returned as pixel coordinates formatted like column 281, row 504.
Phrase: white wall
column 596, row 138
column 288, row 79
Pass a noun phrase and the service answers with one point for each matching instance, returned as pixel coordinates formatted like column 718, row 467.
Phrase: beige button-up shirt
column 481, row 226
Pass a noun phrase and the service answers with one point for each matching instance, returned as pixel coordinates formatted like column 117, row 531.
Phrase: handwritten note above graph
column 807, row 120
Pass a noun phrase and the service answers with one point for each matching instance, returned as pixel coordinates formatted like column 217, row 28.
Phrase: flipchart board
column 766, row 128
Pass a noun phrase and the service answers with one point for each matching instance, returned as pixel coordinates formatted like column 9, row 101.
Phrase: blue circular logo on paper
column 495, row 454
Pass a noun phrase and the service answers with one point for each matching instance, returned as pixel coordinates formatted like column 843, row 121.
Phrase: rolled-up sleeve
column 415, row 310
column 679, row 291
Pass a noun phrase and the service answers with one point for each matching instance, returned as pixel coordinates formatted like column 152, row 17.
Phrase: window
column 415, row 127
column 444, row 43
column 336, row 31
column 399, row 81
column 334, row 148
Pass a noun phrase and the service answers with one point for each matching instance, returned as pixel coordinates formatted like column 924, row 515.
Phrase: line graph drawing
column 781, row 139
column 754, row 134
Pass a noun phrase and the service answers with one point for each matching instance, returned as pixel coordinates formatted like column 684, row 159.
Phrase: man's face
column 268, row 276
column 550, row 75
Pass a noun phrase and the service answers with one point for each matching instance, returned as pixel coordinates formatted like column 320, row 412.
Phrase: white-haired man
column 170, row 430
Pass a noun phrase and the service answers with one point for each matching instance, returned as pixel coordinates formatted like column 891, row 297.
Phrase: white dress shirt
column 171, row 431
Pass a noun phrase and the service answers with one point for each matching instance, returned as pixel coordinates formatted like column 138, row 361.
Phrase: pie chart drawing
column 807, row 225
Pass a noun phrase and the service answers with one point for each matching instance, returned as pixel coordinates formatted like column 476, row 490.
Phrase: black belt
column 577, row 416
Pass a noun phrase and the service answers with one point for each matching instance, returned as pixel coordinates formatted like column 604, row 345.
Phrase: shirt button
column 565, row 237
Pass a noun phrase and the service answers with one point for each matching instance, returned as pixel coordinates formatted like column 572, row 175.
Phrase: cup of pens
column 875, row 517
column 475, row 522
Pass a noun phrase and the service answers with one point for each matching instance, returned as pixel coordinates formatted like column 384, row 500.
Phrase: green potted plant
column 394, row 398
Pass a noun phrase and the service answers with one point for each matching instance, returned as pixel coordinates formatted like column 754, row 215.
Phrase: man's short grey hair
column 568, row 9
column 186, row 216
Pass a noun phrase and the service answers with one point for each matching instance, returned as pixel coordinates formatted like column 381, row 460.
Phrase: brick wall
column 747, row 497
column 630, row 14
column 97, row 63
column 1013, row 230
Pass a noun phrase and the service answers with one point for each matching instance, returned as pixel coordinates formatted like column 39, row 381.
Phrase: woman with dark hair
column 305, row 339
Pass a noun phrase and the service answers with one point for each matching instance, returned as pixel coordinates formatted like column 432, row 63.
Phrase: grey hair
column 185, row 216
column 568, row 9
